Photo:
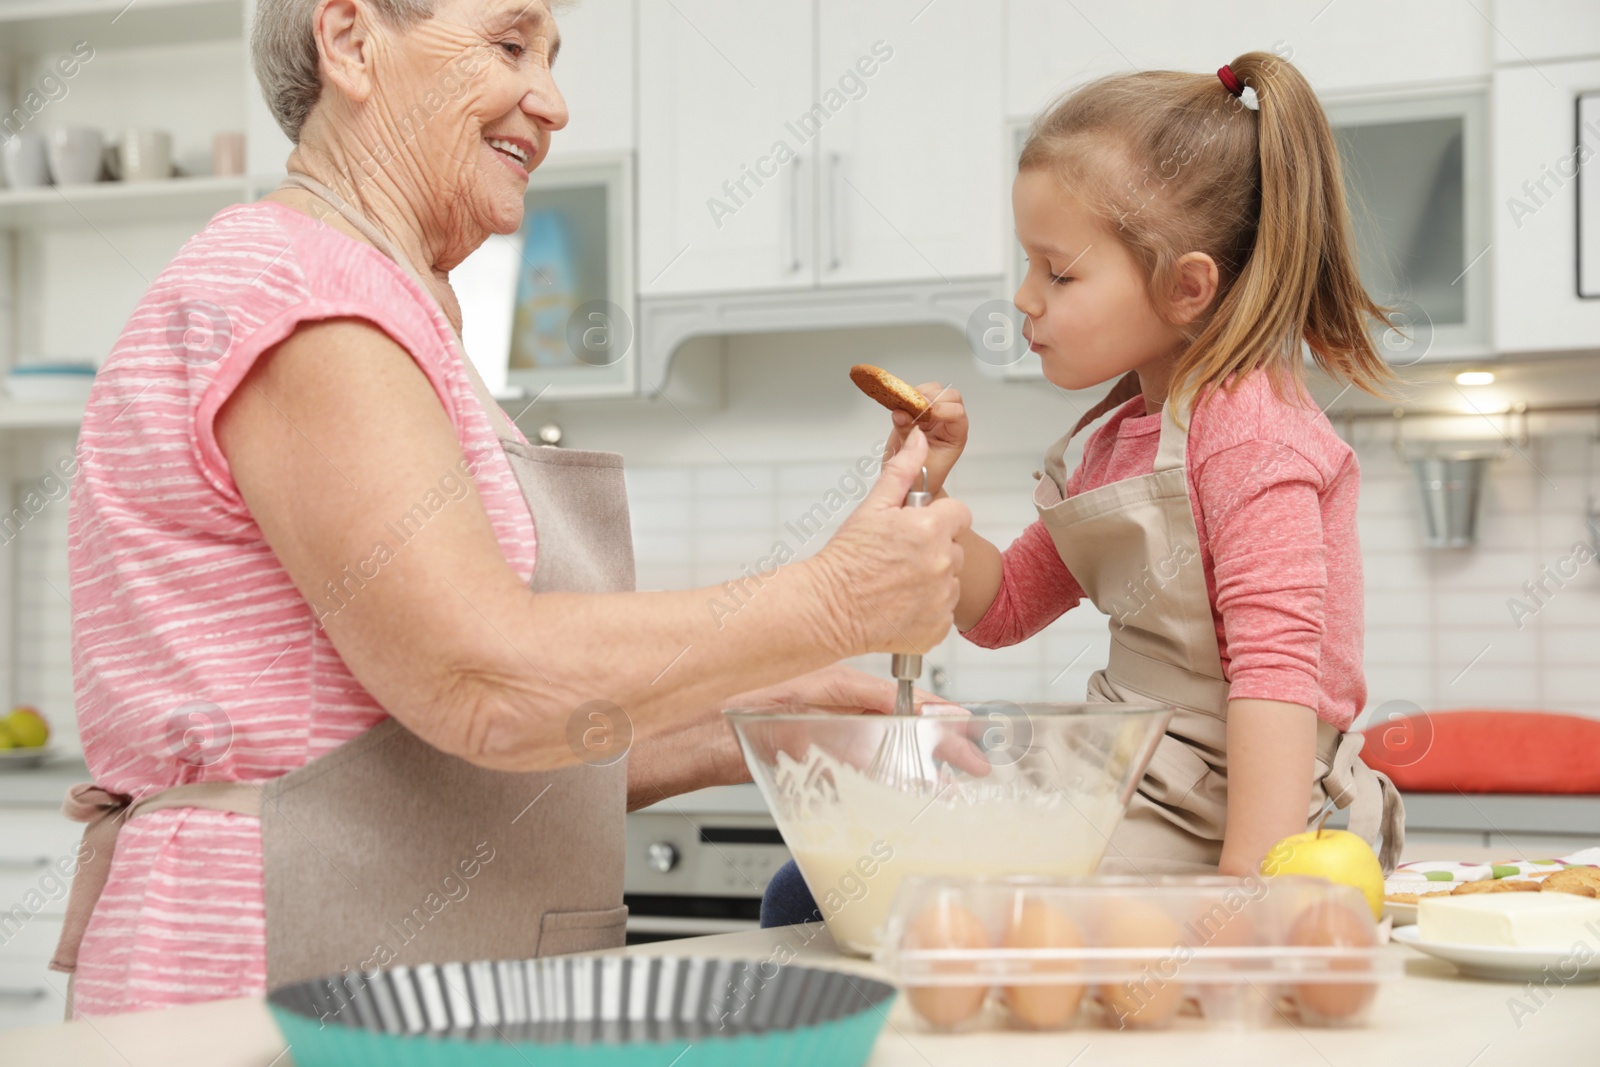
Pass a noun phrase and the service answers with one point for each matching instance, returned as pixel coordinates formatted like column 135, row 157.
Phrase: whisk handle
column 902, row 667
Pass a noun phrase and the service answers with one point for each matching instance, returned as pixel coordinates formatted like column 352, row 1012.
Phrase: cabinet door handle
column 835, row 161
column 23, row 994
column 794, row 217
column 37, row 863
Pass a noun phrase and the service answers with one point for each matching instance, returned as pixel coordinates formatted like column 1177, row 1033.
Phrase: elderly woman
column 356, row 665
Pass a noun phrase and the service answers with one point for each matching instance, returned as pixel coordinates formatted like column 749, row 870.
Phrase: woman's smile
column 515, row 152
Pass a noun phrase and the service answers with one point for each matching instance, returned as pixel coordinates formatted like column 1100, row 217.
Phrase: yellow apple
column 6, row 740
column 27, row 727
column 1337, row 855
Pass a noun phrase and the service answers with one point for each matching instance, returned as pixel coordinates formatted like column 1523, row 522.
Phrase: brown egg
column 1150, row 997
column 946, row 925
column 1331, row 924
column 1035, row 924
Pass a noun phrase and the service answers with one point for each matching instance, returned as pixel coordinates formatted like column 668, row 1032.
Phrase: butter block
column 1514, row 920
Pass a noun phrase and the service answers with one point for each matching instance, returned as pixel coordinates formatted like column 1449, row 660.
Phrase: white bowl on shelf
column 50, row 383
column 20, row 759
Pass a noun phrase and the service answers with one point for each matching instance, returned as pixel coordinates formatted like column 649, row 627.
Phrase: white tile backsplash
column 1574, row 646
column 1440, row 634
column 712, row 490
column 1396, row 646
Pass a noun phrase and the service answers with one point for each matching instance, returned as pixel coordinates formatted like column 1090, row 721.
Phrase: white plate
column 1505, row 964
column 1402, row 914
column 16, row 759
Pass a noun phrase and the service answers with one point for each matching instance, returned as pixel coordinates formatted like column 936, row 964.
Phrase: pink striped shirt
column 1273, row 490
column 195, row 658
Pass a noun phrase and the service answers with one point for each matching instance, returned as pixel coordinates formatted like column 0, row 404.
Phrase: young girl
column 1185, row 235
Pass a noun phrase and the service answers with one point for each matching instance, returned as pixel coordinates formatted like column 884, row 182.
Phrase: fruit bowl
column 1003, row 789
column 18, row 759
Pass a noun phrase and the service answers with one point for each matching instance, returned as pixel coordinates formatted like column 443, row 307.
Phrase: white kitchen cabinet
column 595, row 72
column 1531, row 31
column 1534, row 207
column 30, row 993
column 912, row 172
column 827, row 143
column 38, row 849
column 726, row 178
column 1347, row 45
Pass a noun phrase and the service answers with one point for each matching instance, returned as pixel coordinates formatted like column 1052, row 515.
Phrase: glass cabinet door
column 550, row 308
column 1414, row 175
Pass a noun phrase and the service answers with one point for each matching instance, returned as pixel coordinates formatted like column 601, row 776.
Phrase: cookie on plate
column 1496, row 885
column 1411, row 898
column 888, row 390
column 1584, row 881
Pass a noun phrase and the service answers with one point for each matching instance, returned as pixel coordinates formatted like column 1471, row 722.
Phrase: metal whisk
column 898, row 761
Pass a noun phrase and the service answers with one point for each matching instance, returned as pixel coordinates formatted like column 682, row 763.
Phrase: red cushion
column 1487, row 752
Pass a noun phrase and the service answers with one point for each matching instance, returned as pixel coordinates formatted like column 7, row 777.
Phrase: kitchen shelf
column 43, row 27
column 116, row 203
column 16, row 415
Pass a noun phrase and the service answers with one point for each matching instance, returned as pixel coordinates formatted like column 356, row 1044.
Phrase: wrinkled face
column 464, row 104
column 1090, row 318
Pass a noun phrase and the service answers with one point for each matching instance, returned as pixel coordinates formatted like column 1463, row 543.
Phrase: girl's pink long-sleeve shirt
column 1273, row 489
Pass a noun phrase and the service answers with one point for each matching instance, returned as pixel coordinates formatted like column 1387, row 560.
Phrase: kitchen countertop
column 743, row 799
column 1427, row 1016
column 44, row 786
column 1505, row 814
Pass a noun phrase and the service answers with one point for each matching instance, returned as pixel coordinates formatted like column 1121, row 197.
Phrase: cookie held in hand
column 888, row 390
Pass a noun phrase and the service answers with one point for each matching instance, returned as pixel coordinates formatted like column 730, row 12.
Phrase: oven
column 698, row 864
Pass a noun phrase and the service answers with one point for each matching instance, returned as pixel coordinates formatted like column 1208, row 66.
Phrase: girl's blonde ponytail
column 1301, row 279
column 1175, row 163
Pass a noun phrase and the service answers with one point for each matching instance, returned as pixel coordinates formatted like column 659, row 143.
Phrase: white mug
column 76, row 155
column 227, row 154
column 26, row 164
column 144, row 155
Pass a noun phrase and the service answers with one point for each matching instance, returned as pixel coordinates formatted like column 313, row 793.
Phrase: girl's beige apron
column 367, row 849
column 1133, row 547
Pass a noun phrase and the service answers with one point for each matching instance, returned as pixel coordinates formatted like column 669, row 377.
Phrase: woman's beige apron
column 366, row 849
column 1133, row 547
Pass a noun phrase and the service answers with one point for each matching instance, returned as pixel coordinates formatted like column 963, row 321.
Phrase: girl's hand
column 945, row 423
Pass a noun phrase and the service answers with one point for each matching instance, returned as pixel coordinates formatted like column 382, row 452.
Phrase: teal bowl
column 598, row 1011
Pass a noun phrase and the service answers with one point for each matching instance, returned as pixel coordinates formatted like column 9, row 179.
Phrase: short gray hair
column 284, row 51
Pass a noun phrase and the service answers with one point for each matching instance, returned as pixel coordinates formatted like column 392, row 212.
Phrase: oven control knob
column 661, row 857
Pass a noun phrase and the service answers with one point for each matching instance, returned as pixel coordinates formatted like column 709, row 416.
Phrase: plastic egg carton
column 1051, row 954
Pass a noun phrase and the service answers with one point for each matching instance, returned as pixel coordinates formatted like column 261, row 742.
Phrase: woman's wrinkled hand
column 889, row 577
column 945, row 423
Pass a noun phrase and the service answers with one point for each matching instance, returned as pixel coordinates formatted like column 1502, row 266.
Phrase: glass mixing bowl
column 1003, row 789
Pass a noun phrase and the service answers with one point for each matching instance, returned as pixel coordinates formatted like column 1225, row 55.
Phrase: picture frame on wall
column 549, row 310
column 1587, row 135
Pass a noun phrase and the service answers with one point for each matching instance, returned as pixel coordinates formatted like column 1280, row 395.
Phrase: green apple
column 6, row 740
column 1337, row 855
column 27, row 727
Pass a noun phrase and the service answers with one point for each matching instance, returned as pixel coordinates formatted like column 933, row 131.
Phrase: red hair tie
column 1230, row 80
